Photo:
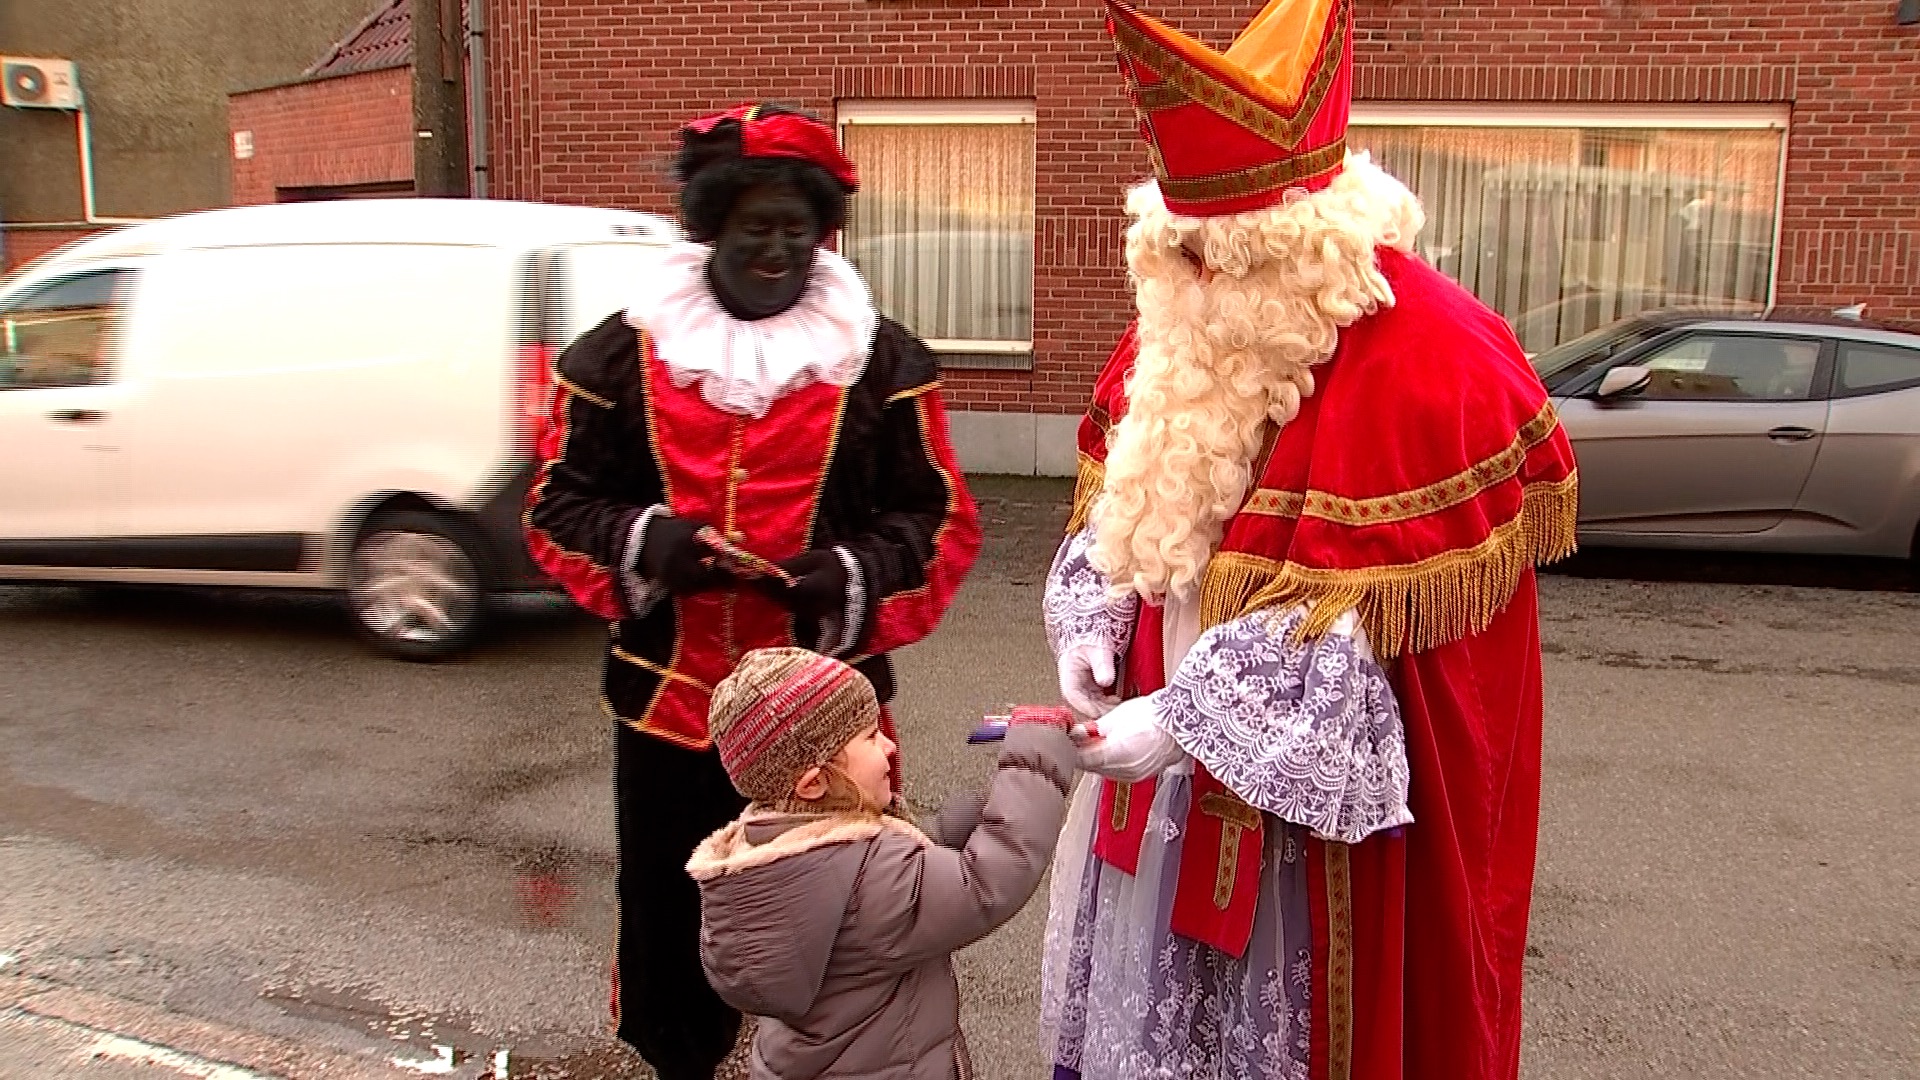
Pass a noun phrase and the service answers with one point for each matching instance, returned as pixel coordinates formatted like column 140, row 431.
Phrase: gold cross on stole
column 1235, row 817
column 1122, row 805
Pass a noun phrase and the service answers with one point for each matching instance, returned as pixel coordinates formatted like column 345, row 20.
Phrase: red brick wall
column 1851, row 222
column 585, row 94
column 356, row 129
column 24, row 245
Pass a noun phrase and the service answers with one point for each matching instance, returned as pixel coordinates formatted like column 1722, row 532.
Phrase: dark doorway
column 386, row 189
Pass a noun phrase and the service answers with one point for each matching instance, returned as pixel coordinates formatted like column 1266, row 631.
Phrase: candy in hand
column 994, row 728
column 738, row 561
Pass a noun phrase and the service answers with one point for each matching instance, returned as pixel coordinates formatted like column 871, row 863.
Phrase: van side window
column 62, row 333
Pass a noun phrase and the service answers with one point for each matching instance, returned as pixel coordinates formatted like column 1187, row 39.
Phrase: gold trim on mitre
column 1272, row 81
column 1161, row 95
column 1284, row 173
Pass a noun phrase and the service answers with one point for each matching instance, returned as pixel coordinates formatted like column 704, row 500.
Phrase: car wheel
column 415, row 586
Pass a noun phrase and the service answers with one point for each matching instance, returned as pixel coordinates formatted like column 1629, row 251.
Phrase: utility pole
column 439, row 100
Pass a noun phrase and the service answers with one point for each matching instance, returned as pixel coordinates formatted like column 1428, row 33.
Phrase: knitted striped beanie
column 784, row 711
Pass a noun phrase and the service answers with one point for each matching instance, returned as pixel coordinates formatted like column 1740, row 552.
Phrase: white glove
column 1087, row 679
column 1131, row 747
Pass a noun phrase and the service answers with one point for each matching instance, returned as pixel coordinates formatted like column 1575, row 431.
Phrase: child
column 835, row 922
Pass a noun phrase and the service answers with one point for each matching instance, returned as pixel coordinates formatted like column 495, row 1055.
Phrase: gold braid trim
column 1339, row 871
column 581, row 392
column 1463, row 486
column 1093, row 477
column 1413, row 606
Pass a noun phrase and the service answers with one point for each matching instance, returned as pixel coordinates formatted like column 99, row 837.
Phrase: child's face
column 865, row 761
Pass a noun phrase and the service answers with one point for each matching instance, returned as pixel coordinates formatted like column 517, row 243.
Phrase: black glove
column 817, row 597
column 671, row 556
column 819, row 589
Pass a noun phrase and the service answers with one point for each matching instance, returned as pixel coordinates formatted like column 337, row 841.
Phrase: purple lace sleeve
column 1308, row 731
column 1079, row 608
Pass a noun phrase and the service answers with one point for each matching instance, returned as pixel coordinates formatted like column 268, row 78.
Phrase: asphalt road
column 219, row 813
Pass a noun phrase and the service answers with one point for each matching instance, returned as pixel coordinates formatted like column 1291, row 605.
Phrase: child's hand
column 957, row 818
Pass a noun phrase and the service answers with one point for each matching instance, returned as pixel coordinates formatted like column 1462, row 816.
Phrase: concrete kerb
column 175, row 1035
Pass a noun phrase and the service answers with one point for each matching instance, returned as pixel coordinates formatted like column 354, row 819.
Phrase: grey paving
column 222, row 805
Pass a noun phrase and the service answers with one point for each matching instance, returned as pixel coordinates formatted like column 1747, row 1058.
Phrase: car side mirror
column 1623, row 381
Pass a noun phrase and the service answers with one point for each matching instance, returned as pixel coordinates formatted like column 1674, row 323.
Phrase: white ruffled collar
column 742, row 366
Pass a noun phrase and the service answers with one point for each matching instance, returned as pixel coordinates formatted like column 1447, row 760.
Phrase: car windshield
column 1569, row 360
column 1562, row 364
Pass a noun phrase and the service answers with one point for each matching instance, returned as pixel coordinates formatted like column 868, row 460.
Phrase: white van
column 335, row 395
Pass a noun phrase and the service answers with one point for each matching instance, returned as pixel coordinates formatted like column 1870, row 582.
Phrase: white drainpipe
column 86, row 175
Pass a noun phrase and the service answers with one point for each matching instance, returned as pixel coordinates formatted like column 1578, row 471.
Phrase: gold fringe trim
column 1413, row 607
column 1093, row 477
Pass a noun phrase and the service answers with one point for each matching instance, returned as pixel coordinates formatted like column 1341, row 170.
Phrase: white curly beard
column 1219, row 360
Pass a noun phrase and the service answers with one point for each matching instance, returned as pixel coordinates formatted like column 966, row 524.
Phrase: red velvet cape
column 1419, row 486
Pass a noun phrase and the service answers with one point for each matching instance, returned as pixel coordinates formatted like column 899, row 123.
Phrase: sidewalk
column 47, row 1030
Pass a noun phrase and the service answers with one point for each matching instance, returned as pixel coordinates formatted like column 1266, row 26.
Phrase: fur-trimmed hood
column 760, row 837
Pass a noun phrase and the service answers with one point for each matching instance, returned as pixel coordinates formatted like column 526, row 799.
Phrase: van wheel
column 415, row 586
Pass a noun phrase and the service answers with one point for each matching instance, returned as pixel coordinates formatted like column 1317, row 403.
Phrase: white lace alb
column 1079, row 607
column 1306, row 730
column 744, row 366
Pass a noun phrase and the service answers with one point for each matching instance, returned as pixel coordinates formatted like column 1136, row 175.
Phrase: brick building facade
column 1799, row 121
column 344, row 128
column 155, row 76
column 351, row 134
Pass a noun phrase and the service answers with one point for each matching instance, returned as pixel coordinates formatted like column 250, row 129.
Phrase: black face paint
column 764, row 252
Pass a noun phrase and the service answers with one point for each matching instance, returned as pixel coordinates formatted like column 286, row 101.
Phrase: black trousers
column 666, row 800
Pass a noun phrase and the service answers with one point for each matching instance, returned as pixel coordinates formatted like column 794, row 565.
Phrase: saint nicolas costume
column 820, row 428
column 1331, row 879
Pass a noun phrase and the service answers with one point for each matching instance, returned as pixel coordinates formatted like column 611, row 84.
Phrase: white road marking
column 122, row 1048
column 439, row 1066
column 90, row 1043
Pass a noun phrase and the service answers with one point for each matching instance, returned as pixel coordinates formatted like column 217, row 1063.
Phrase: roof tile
column 383, row 40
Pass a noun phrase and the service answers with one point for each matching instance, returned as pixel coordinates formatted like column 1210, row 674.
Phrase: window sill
column 984, row 361
column 982, row 355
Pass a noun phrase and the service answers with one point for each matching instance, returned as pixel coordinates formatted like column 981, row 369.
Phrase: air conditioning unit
column 29, row 83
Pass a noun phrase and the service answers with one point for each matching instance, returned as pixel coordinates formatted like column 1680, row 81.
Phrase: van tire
column 416, row 585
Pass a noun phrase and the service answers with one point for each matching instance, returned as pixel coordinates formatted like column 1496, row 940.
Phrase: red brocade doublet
column 758, row 481
column 866, row 469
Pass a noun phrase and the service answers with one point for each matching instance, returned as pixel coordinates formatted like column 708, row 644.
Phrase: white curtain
column 1565, row 229
column 943, row 226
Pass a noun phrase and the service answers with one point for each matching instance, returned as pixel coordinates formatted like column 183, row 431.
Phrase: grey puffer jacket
column 838, row 929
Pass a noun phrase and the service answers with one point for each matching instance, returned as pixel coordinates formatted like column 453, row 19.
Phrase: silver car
column 1748, row 433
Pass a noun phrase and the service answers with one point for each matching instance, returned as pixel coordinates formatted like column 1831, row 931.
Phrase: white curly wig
column 1219, row 359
